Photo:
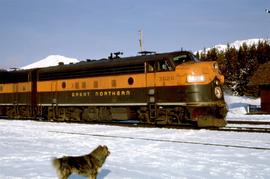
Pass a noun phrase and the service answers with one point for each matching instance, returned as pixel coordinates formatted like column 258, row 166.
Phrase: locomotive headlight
column 218, row 92
column 195, row 78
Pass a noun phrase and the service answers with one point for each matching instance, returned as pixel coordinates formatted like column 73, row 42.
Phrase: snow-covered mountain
column 236, row 44
column 51, row 60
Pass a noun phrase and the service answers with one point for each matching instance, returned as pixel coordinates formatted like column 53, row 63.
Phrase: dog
column 86, row 165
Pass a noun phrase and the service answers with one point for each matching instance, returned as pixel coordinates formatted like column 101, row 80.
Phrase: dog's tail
column 56, row 163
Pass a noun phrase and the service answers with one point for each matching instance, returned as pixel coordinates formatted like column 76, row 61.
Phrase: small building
column 261, row 78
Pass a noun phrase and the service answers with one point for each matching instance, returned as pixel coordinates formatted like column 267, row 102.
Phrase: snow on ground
column 238, row 108
column 238, row 105
column 27, row 147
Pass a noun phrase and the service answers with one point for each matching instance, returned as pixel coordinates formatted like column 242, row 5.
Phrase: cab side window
column 151, row 67
column 159, row 66
column 163, row 66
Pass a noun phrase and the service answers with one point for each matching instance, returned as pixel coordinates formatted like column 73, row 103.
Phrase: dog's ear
column 105, row 146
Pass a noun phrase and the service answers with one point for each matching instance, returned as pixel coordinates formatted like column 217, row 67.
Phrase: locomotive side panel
column 110, row 90
column 16, row 93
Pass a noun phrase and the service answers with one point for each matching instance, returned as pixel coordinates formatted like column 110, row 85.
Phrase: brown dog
column 87, row 165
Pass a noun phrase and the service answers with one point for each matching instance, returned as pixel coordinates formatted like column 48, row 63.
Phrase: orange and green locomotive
column 160, row 88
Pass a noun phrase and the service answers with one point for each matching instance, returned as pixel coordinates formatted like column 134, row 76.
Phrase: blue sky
column 33, row 29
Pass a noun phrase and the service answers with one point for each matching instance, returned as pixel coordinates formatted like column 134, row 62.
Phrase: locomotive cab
column 183, row 89
column 169, row 63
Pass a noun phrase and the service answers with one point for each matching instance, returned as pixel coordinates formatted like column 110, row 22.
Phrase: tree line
column 239, row 65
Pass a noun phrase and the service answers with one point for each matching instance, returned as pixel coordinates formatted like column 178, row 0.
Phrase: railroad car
column 157, row 88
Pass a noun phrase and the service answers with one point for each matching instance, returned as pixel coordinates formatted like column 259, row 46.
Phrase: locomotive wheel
column 90, row 114
column 177, row 115
column 51, row 114
column 11, row 112
column 104, row 114
column 76, row 114
column 144, row 116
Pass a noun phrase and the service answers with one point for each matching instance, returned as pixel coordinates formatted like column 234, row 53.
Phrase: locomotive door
column 15, row 99
column 33, row 80
column 52, row 112
column 13, row 110
column 151, row 89
column 54, row 93
column 15, row 94
column 157, row 72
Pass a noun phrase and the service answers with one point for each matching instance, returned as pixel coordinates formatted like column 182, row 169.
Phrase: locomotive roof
column 103, row 67
column 14, row 76
column 122, row 61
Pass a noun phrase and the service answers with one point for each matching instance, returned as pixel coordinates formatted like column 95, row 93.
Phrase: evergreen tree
column 239, row 65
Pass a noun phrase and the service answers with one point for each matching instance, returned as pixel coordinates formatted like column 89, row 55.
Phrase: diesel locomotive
column 156, row 88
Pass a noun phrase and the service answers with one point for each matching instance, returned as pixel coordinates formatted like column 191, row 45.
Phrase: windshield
column 184, row 58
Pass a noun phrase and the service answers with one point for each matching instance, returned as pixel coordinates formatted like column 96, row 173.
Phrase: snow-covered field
column 27, row 147
column 238, row 108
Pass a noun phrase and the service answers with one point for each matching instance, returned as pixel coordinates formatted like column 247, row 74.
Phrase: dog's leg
column 63, row 175
column 93, row 176
column 59, row 174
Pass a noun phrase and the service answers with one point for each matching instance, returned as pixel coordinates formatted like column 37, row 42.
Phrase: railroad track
column 162, row 140
column 228, row 128
column 244, row 129
column 249, row 122
column 247, row 126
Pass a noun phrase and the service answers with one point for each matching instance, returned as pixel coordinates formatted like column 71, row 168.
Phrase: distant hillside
column 51, row 60
column 236, row 44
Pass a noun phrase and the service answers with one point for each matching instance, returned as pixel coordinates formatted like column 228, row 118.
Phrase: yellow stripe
column 108, row 82
column 21, row 87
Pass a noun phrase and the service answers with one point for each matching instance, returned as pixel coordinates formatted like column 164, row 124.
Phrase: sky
column 31, row 30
